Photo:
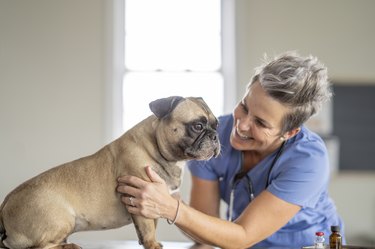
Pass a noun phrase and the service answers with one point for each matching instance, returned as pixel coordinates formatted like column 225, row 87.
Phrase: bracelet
column 171, row 222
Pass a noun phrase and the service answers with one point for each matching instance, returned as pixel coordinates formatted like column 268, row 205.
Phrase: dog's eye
column 198, row 127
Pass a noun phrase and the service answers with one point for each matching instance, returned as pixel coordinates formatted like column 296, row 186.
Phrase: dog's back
column 64, row 199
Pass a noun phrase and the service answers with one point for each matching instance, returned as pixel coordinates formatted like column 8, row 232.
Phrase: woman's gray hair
column 301, row 83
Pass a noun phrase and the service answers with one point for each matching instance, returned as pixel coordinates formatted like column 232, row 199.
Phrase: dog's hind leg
column 37, row 229
column 2, row 238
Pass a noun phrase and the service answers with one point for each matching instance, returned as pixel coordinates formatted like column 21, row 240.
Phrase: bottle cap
column 335, row 228
column 319, row 233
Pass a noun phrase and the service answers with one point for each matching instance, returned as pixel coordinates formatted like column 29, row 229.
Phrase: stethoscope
column 238, row 176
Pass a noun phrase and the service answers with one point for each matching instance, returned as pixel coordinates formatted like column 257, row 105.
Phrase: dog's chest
column 172, row 174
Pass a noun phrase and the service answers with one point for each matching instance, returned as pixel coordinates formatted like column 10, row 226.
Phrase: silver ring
column 131, row 200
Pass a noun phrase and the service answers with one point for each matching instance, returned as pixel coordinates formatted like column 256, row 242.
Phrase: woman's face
column 257, row 121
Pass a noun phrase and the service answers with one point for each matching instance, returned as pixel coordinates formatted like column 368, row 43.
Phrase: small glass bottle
column 319, row 240
column 335, row 239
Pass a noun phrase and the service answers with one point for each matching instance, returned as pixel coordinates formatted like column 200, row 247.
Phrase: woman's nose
column 245, row 123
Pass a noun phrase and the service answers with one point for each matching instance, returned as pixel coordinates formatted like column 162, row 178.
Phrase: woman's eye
column 260, row 123
column 198, row 127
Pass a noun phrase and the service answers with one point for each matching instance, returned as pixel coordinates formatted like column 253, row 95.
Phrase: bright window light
column 172, row 47
column 151, row 86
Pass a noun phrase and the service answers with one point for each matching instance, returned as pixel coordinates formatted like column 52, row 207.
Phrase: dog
column 81, row 195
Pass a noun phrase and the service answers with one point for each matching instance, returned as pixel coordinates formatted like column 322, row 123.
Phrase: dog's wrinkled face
column 186, row 129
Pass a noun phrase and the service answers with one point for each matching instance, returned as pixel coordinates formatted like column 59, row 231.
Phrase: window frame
column 114, row 33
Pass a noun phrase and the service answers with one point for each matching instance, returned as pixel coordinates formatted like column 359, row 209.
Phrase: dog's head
column 186, row 128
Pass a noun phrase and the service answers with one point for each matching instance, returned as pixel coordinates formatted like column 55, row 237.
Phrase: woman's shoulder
column 307, row 145
column 308, row 139
column 306, row 153
column 302, row 172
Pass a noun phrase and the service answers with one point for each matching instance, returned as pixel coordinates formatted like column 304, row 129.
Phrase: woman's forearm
column 152, row 200
column 211, row 230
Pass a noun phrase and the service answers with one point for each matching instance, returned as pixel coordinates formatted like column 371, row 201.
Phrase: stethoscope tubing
column 238, row 176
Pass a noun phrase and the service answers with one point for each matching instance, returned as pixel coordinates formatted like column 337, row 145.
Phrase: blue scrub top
column 300, row 176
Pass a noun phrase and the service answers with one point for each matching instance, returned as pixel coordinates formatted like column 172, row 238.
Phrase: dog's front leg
column 146, row 229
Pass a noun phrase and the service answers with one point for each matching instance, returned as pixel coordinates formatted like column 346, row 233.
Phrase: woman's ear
column 290, row 134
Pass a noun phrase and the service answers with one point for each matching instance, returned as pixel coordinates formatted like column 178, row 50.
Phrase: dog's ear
column 164, row 106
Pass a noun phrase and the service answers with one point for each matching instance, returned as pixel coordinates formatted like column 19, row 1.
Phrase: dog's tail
column 2, row 229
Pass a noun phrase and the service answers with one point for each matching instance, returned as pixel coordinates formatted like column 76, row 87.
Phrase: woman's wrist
column 173, row 221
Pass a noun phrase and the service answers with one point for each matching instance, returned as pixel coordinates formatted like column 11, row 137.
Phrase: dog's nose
column 213, row 136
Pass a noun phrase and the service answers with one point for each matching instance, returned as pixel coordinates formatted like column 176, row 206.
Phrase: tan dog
column 81, row 195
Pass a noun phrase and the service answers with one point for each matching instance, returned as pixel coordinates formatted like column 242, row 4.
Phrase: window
column 172, row 47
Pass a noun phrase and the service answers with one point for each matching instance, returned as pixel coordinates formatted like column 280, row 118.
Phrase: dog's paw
column 152, row 245
column 70, row 246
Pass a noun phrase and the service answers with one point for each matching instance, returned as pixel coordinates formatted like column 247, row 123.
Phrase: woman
column 272, row 172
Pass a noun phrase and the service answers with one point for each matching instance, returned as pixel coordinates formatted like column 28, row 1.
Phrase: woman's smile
column 241, row 135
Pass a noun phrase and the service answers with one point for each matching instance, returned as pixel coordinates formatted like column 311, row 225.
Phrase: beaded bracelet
column 171, row 222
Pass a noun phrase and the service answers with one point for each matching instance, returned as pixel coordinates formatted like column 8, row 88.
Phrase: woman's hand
column 149, row 199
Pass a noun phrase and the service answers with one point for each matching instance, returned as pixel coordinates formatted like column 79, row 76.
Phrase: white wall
column 53, row 82
column 339, row 32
